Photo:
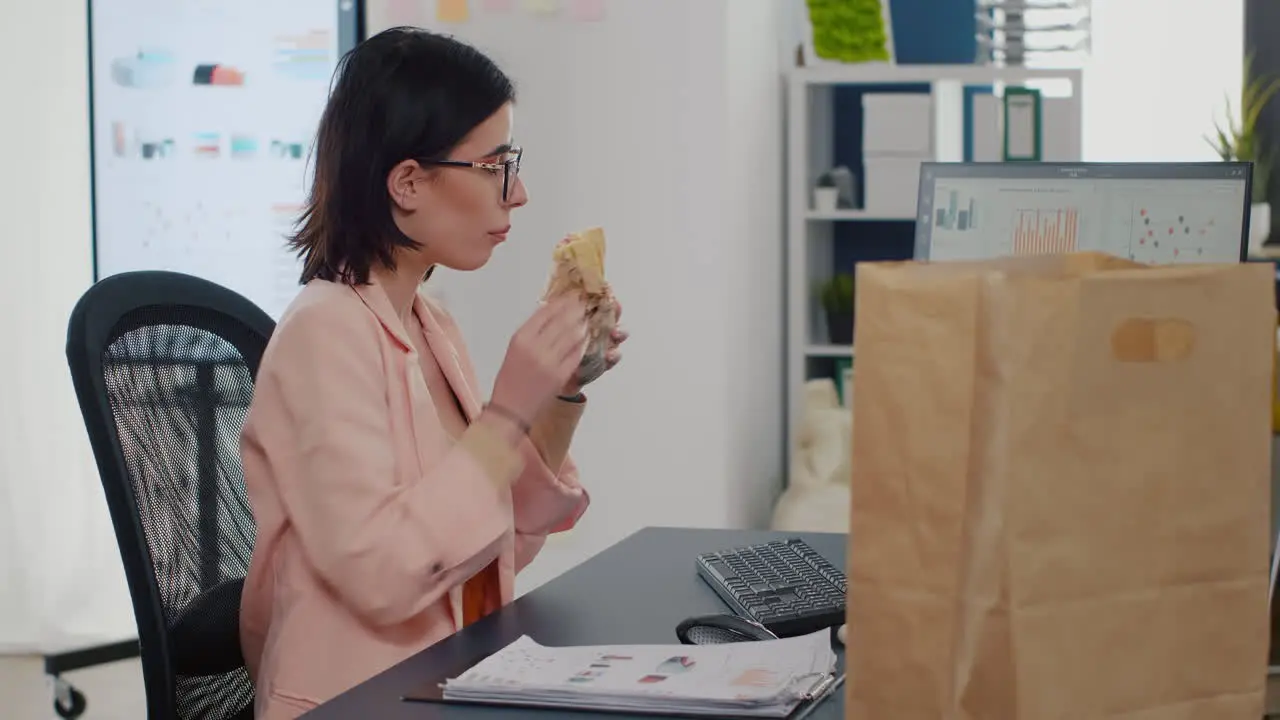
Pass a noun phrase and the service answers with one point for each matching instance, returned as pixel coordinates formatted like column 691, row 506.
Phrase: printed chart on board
column 204, row 114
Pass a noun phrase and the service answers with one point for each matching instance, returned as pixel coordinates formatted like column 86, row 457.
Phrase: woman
column 393, row 504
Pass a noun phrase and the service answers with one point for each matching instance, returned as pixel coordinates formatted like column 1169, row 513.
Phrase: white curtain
column 1160, row 75
column 61, row 581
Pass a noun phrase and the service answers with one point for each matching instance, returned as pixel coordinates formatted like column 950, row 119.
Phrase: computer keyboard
column 784, row 585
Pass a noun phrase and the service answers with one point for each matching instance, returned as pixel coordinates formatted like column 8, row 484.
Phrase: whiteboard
column 203, row 114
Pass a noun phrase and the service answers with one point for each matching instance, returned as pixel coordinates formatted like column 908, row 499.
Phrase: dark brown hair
column 404, row 93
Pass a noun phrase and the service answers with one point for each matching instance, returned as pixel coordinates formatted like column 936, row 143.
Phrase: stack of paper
column 751, row 679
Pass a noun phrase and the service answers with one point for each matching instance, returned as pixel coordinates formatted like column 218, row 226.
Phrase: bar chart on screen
column 1039, row 231
column 956, row 214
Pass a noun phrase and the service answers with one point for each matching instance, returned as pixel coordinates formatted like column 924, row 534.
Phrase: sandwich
column 578, row 267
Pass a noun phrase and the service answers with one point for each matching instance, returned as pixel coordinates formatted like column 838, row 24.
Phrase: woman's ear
column 402, row 185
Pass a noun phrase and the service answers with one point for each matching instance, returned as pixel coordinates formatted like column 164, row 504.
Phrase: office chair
column 164, row 367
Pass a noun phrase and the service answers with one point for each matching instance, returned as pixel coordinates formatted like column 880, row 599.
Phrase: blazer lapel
column 438, row 341
column 375, row 298
column 446, row 356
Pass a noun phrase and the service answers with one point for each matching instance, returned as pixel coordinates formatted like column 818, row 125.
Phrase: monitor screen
column 203, row 114
column 1157, row 213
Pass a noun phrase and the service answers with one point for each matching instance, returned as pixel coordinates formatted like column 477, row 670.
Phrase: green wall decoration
column 851, row 31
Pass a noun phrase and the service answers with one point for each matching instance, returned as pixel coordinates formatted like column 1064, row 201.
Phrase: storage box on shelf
column 896, row 137
column 909, row 114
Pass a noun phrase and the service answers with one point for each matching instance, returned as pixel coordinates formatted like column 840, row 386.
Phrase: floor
column 113, row 691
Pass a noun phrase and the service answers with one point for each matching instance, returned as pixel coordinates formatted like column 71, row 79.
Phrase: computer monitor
column 1157, row 213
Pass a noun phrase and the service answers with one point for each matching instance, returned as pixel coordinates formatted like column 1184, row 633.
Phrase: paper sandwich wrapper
column 578, row 267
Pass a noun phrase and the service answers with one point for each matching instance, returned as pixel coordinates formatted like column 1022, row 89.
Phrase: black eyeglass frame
column 510, row 167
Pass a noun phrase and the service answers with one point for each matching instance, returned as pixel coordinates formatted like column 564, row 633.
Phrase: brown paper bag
column 1060, row 491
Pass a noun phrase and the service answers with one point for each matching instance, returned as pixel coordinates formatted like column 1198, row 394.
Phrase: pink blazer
column 369, row 516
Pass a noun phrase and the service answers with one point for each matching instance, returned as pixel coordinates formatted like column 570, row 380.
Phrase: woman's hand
column 542, row 356
column 612, row 356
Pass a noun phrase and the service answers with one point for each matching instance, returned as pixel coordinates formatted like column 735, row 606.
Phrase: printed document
column 750, row 679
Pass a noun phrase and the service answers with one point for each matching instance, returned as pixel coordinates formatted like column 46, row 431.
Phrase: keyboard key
column 720, row 570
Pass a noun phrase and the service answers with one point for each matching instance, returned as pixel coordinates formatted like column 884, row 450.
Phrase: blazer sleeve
column 389, row 549
column 545, row 499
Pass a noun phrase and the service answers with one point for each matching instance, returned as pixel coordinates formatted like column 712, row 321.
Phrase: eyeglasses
column 509, row 166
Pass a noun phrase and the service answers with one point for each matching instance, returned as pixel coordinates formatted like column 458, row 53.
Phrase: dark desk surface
column 634, row 592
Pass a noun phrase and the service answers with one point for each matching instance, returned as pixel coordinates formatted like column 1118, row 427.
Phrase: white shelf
column 835, row 351
column 811, row 234
column 884, row 73
column 855, row 215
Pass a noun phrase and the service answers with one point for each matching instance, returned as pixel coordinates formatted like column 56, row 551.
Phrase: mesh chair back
column 164, row 367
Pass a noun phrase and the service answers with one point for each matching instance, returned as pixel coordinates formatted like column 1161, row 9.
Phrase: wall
column 1160, row 74
column 753, row 242
column 661, row 123
column 60, row 577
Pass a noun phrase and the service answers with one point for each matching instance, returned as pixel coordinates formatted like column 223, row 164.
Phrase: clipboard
column 433, row 692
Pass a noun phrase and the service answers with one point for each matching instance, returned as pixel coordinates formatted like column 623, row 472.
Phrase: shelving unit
column 963, row 124
column 848, row 215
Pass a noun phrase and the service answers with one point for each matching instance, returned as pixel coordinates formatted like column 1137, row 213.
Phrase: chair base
column 68, row 702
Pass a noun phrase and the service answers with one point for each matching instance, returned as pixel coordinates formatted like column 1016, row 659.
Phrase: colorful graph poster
column 204, row 115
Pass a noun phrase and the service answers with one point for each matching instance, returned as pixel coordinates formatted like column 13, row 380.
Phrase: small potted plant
column 837, row 297
column 826, row 194
column 1240, row 142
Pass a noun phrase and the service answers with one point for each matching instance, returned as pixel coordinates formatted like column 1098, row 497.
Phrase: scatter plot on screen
column 1170, row 233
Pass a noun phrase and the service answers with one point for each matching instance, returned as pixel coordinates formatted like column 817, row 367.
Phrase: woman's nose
column 519, row 194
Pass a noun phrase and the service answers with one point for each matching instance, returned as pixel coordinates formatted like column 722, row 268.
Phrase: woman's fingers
column 550, row 315
column 566, row 317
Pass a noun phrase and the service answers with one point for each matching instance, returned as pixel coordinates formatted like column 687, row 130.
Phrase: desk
column 599, row 602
